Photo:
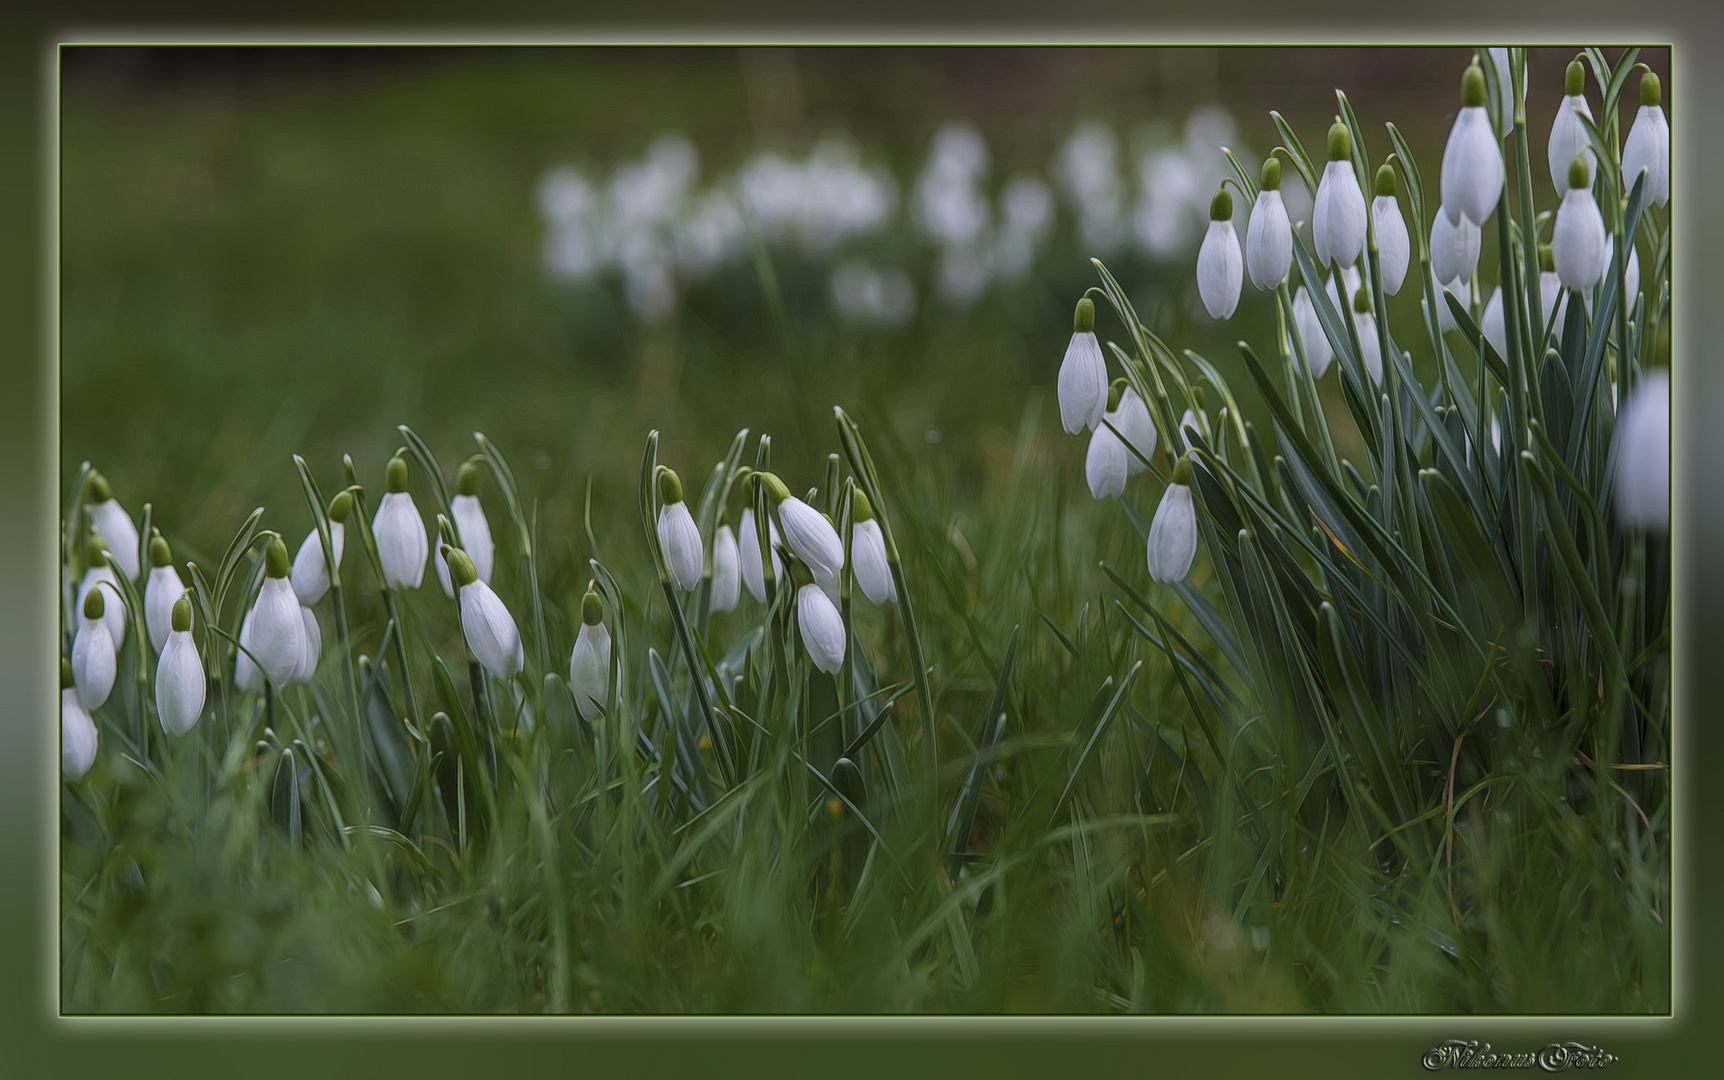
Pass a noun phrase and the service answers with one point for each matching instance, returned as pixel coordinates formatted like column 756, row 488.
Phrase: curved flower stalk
column 1454, row 247
column 1220, row 266
column 1578, row 242
column 1338, row 215
column 590, row 662
column 818, row 620
column 1173, row 533
column 78, row 738
column 748, row 546
column 1394, row 245
column 1642, row 454
column 678, row 535
column 113, row 524
column 868, row 552
column 726, row 570
column 100, row 578
column 1083, row 374
column 1472, row 175
column 491, row 633
column 180, row 685
column 1648, row 144
column 162, row 589
column 807, row 532
column 277, row 628
column 1365, row 324
column 398, row 530
column 310, row 576
column 1268, row 233
column 1568, row 136
column 471, row 526
column 94, row 663
column 1318, row 351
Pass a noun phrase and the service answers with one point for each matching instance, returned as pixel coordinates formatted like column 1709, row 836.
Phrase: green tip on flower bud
column 65, row 674
column 1115, row 391
column 160, row 554
column 669, row 487
column 182, row 616
column 800, row 575
column 1083, row 321
column 1182, row 470
column 1574, row 79
column 1340, row 142
column 467, row 478
column 93, row 604
column 1651, row 91
column 1362, row 301
column 1221, row 206
column 1579, row 176
column 1385, row 185
column 860, row 509
column 776, row 492
column 1270, row 178
column 96, row 488
column 1546, row 259
column 341, row 506
column 395, row 475
column 592, row 607
column 275, row 562
column 1473, row 86
column 461, row 569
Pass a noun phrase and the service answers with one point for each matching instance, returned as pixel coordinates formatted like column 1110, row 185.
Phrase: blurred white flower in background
column 1087, row 171
column 862, row 294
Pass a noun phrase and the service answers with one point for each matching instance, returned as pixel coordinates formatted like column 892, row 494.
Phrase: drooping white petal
column 313, row 650
column 868, row 551
column 93, row 662
column 1338, row 216
column 402, row 546
column 1568, row 140
column 1318, row 351
column 1394, row 246
column 1492, row 322
column 1268, row 241
column 1648, row 147
column 679, row 539
column 1553, row 299
column 1457, row 289
column 491, row 633
column 1370, row 348
column 246, row 675
column 1082, row 383
column 590, row 669
column 811, row 536
column 161, row 590
column 1577, row 240
column 1220, row 270
column 113, row 602
column 310, row 576
column 1105, row 464
column 1505, row 88
column 1132, row 420
column 475, row 533
column 180, row 685
column 1173, row 536
column 1454, row 248
column 822, row 628
column 1188, row 419
column 78, row 737
column 1472, row 176
column 115, row 527
column 726, row 570
column 1642, row 453
column 748, row 547
column 828, row 584
column 278, row 630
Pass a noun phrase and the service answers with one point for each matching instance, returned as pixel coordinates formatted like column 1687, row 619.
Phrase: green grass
column 299, row 273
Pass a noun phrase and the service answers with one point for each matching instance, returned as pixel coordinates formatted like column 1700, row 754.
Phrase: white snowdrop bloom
column 491, row 633
column 470, row 526
column 1642, row 454
column 1577, row 240
column 161, row 589
column 748, row 547
column 313, row 650
column 1318, row 351
column 1365, row 325
column 806, row 531
column 1105, row 464
column 1132, row 419
column 1457, row 289
column 93, row 661
column 1220, row 266
column 590, row 663
column 310, row 576
column 1173, row 532
column 1472, row 175
column 1648, row 145
column 246, row 676
column 1350, row 284
column 828, row 584
column 277, row 628
column 868, row 553
column 726, row 570
column 1567, row 134
column 1087, row 171
column 1394, row 246
column 1083, row 374
column 1268, row 234
column 78, row 737
column 112, row 524
column 1505, row 88
column 1553, row 298
column 822, row 628
column 1454, row 247
column 399, row 531
column 948, row 204
column 678, row 535
column 180, row 685
column 1338, row 216
column 1491, row 322
column 861, row 293
column 100, row 577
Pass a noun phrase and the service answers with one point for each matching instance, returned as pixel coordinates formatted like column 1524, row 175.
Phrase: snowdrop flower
column 77, row 731
column 313, row 651
column 1083, row 374
column 93, row 660
column 1491, row 323
column 1338, row 218
column 1472, row 176
column 678, row 535
column 100, row 577
column 1454, row 247
column 399, row 531
column 1220, row 267
column 822, row 627
column 1268, row 235
column 748, row 547
column 1173, row 533
column 1567, row 133
column 1642, row 453
column 1577, row 240
column 1105, row 464
column 806, row 531
column 113, row 524
column 1318, row 351
column 491, row 633
column 277, row 628
column 1553, row 298
column 180, row 682
column 1505, row 88
column 868, row 553
column 590, row 663
column 726, row 570
column 245, row 673
column 1131, row 417
column 160, row 591
column 1457, row 289
column 1394, row 246
column 1648, row 145
column 1370, row 348
column 470, row 526
column 310, row 576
